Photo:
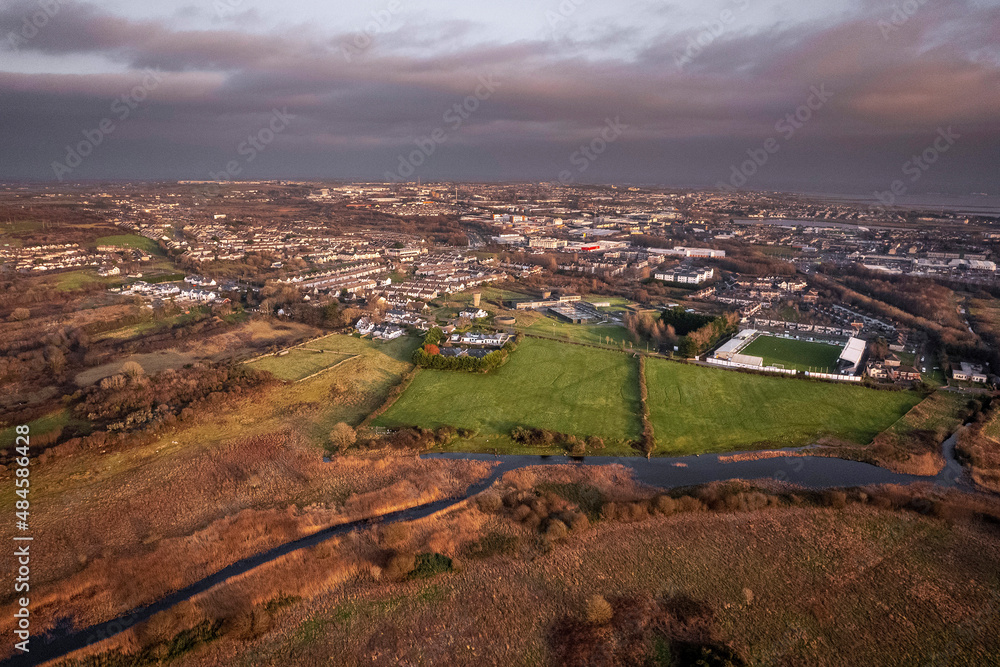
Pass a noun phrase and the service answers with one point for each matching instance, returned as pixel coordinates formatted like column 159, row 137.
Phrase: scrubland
column 575, row 566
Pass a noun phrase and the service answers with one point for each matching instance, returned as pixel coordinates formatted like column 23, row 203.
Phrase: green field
column 298, row 363
column 593, row 334
column 545, row 384
column 131, row 241
column 801, row 355
column 43, row 425
column 697, row 409
column 72, row 280
column 584, row 391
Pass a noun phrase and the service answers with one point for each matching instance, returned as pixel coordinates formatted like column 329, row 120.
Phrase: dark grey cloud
column 688, row 123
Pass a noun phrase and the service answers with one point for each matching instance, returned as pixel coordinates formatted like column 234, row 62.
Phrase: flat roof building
column 850, row 358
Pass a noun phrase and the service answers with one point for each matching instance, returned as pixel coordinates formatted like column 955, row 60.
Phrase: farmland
column 583, row 391
column 131, row 241
column 566, row 388
column 593, row 334
column 696, row 409
column 801, row 355
column 298, row 363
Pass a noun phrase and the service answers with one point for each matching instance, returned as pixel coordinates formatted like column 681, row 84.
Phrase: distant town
column 395, row 248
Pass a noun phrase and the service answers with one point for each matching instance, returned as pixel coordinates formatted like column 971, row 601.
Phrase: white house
column 387, row 332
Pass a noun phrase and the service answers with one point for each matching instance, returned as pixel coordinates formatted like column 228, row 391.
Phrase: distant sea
column 974, row 204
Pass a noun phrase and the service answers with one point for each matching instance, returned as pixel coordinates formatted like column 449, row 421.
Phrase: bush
column 556, row 531
column 664, row 505
column 19, row 314
column 489, row 501
column 430, row 564
column 835, row 499
column 133, row 369
column 395, row 535
column 579, row 522
column 599, row 611
column 400, row 565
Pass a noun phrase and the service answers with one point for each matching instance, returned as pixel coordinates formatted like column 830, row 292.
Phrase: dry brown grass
column 117, row 546
column 788, row 585
column 757, row 456
column 774, row 584
column 256, row 335
column 980, row 449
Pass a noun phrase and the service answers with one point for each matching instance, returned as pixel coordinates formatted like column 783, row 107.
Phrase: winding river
column 815, row 472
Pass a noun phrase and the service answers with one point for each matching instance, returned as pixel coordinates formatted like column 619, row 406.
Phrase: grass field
column 299, row 363
column 151, row 362
column 801, row 355
column 545, row 384
column 584, row 391
column 131, row 241
column 594, row 334
column 912, row 443
column 940, row 412
column 72, row 280
column 42, row 425
column 249, row 339
column 697, row 409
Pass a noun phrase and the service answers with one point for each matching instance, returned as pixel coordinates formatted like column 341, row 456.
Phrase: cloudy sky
column 365, row 89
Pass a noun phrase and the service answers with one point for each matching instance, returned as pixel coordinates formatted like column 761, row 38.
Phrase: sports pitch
column 802, row 355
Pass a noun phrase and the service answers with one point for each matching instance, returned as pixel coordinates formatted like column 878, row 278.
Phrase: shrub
column 395, row 535
column 637, row 511
column 489, row 501
column 430, row 564
column 664, row 505
column 835, row 499
column 133, row 369
column 689, row 504
column 556, row 530
column 400, row 564
column 579, row 522
column 19, row 314
column 599, row 611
